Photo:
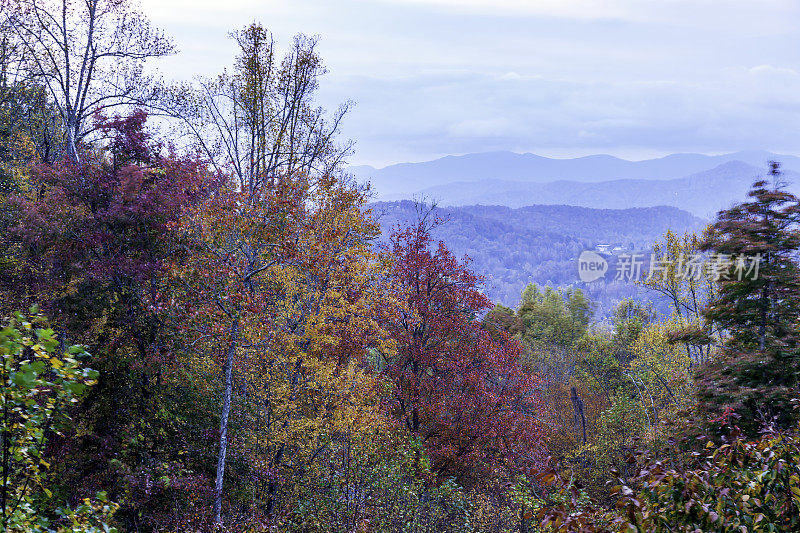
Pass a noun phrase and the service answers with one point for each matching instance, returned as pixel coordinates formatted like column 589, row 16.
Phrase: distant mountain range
column 697, row 183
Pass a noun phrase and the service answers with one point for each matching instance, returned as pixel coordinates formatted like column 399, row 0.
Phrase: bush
column 39, row 383
column 736, row 486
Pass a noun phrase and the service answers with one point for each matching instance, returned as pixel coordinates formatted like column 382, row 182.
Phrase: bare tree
column 259, row 122
column 88, row 54
column 25, row 109
column 12, row 59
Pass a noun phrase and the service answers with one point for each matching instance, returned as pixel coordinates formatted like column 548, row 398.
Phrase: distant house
column 602, row 248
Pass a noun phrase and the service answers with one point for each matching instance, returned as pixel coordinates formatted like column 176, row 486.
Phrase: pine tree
column 758, row 303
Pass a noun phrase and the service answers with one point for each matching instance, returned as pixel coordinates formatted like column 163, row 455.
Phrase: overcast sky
column 632, row 78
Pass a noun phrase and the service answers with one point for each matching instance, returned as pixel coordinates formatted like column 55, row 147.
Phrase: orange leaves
column 296, row 265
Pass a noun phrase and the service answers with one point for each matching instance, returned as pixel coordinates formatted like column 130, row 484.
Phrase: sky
column 560, row 78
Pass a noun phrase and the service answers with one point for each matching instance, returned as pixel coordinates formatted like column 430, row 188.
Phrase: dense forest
column 541, row 244
column 206, row 326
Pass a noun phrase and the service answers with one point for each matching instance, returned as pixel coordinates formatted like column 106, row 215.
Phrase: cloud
column 421, row 116
column 432, row 77
column 682, row 12
column 589, row 9
column 482, row 128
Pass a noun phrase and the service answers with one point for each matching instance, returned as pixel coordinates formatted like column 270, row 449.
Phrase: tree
column 630, row 318
column 252, row 247
column 259, row 122
column 463, row 393
column 677, row 275
column 758, row 302
column 94, row 238
column 554, row 317
column 230, row 242
column 285, row 292
column 30, row 128
column 89, row 55
column 102, row 218
column 741, row 485
column 660, row 371
column 762, row 306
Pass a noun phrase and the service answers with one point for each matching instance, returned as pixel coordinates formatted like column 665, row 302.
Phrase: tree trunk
column 5, row 459
column 762, row 327
column 72, row 149
column 523, row 522
column 223, row 423
column 580, row 418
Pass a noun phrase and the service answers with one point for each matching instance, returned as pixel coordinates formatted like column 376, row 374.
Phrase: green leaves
column 27, row 375
column 37, row 384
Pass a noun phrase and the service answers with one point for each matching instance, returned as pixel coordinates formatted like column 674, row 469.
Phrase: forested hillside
column 541, row 244
column 223, row 334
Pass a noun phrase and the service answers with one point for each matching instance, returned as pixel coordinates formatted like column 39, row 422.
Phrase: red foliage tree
column 108, row 218
column 461, row 390
column 95, row 236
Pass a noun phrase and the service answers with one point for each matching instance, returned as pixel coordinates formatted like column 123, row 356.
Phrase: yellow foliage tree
column 287, row 287
column 679, row 272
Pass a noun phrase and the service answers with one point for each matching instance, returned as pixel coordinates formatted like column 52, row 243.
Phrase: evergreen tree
column 754, row 247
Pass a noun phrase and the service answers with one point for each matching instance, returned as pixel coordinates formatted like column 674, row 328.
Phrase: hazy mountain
column 524, row 218
column 702, row 194
column 541, row 243
column 406, row 178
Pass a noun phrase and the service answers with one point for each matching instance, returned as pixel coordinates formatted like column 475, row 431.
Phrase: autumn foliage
column 461, row 390
column 235, row 346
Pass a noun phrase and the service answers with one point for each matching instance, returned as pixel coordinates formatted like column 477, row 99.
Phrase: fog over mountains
column 697, row 183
